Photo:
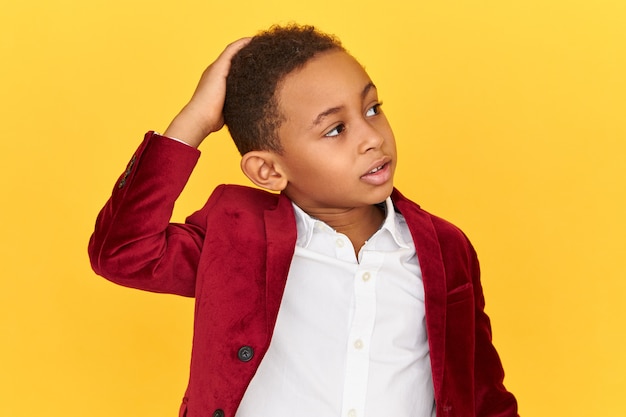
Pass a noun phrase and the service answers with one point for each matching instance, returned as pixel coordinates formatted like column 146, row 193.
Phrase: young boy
column 333, row 296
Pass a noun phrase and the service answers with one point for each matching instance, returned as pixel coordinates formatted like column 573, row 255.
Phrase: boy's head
column 251, row 109
column 307, row 120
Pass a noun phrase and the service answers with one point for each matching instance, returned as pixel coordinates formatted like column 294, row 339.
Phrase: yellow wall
column 510, row 120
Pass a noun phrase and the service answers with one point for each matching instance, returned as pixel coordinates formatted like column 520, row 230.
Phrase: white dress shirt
column 350, row 337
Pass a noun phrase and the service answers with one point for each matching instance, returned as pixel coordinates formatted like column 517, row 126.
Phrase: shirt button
column 245, row 353
column 218, row 413
column 358, row 344
column 339, row 242
column 366, row 276
column 352, row 413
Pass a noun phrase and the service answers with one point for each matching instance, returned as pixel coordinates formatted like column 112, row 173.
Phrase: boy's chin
column 382, row 193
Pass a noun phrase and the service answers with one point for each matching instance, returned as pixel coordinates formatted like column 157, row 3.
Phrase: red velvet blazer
column 233, row 256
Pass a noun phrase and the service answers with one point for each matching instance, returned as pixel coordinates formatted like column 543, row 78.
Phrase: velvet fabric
column 233, row 256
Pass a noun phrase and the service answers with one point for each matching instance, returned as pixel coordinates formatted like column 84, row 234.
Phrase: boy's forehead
column 326, row 77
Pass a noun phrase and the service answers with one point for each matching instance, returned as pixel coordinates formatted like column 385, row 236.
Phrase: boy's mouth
column 376, row 169
column 379, row 174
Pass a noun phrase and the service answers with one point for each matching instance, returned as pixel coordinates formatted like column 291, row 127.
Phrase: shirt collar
column 394, row 223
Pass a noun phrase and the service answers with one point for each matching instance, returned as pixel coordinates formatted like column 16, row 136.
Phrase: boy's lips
column 379, row 173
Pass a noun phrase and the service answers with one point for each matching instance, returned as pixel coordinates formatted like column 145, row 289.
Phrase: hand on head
column 203, row 114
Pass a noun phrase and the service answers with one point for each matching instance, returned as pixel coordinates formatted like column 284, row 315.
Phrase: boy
column 336, row 296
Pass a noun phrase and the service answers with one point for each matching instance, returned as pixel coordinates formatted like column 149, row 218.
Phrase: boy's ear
column 263, row 169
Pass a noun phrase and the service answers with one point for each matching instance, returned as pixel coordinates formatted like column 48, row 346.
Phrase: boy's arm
column 133, row 243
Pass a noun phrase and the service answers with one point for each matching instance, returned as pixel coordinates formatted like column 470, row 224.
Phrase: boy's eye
column 374, row 110
column 336, row 131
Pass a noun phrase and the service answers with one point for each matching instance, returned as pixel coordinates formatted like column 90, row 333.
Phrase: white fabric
column 350, row 338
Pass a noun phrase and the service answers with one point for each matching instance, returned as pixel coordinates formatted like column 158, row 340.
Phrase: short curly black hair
column 251, row 108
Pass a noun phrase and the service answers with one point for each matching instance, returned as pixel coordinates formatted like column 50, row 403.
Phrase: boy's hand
column 203, row 114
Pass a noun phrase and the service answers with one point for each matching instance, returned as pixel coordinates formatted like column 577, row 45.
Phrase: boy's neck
column 358, row 224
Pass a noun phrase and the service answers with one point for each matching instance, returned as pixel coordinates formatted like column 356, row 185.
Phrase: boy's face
column 339, row 151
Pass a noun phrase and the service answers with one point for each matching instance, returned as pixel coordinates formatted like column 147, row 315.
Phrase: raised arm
column 134, row 244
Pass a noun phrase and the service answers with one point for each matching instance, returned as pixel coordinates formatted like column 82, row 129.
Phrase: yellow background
column 510, row 121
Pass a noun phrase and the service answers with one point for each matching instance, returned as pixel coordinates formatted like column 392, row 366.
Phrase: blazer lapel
column 280, row 231
column 433, row 275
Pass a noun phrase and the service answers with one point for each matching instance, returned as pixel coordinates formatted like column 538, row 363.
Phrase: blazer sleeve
column 134, row 244
column 491, row 397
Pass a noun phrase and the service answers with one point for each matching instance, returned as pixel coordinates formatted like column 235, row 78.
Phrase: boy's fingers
column 221, row 65
column 233, row 48
column 239, row 43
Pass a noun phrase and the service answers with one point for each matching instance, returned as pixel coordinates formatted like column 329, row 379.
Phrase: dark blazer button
column 245, row 353
column 218, row 413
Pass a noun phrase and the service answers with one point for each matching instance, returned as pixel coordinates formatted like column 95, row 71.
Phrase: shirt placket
column 360, row 335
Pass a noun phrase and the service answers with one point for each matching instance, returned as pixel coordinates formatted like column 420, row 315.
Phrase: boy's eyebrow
column 333, row 110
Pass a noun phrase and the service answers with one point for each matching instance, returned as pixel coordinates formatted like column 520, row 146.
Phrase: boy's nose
column 371, row 138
